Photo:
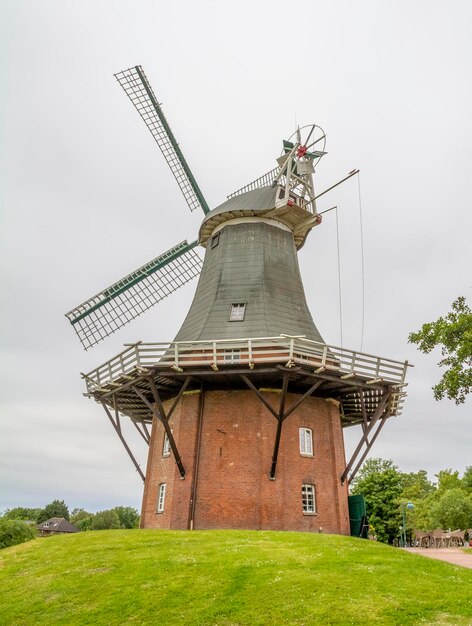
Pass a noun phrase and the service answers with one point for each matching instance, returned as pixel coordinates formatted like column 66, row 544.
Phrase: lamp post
column 410, row 506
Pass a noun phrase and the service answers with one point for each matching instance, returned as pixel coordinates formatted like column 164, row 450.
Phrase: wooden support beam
column 300, row 400
column 179, row 395
column 380, row 425
column 123, row 441
column 140, row 395
column 378, row 413
column 144, row 434
column 281, row 414
column 259, row 395
column 161, row 414
column 364, row 413
column 280, row 419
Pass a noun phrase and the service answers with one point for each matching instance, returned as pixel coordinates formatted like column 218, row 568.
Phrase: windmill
column 247, row 352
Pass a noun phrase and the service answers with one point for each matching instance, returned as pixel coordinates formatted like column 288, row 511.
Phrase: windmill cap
column 260, row 203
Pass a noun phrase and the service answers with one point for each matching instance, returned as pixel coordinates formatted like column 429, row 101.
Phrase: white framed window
column 161, row 497
column 308, row 499
column 232, row 355
column 237, row 312
column 166, row 446
column 306, row 441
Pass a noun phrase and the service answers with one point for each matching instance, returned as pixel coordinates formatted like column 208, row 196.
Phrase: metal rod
column 327, row 210
column 353, row 173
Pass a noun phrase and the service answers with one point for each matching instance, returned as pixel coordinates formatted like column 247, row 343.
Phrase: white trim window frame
column 166, row 446
column 308, row 499
column 161, row 498
column 232, row 355
column 305, row 436
column 237, row 312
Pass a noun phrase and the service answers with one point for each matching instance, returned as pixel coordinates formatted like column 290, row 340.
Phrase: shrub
column 15, row 531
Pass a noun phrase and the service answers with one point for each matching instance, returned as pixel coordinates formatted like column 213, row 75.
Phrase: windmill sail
column 263, row 181
column 112, row 308
column 139, row 91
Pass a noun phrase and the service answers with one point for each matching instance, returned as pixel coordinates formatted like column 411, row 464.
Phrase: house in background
column 55, row 526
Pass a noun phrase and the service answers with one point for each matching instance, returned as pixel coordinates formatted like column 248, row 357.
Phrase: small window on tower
column 308, row 499
column 215, row 240
column 306, row 441
column 161, row 496
column 232, row 355
column 166, row 446
column 237, row 312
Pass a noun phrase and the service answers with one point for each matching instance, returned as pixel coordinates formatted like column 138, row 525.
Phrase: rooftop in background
column 57, row 525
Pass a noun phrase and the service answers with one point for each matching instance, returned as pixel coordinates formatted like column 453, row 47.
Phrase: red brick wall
column 233, row 485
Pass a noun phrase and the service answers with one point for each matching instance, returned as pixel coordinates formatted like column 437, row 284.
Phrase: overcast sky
column 86, row 197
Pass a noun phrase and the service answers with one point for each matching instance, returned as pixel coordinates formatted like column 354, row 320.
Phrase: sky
column 86, row 197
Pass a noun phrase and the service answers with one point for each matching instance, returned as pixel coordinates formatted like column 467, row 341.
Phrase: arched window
column 306, row 441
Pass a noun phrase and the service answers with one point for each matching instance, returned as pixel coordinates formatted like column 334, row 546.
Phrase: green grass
column 226, row 578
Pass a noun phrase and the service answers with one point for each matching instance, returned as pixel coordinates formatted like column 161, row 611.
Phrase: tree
column 56, row 508
column 79, row 514
column 453, row 334
column 22, row 513
column 129, row 517
column 467, row 479
column 416, row 485
column 14, row 531
column 85, row 523
column 447, row 480
column 105, row 520
column 453, row 510
column 380, row 483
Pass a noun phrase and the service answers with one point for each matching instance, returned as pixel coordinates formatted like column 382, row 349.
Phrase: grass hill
column 226, row 578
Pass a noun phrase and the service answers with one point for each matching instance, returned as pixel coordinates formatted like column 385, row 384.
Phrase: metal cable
column 362, row 258
column 339, row 281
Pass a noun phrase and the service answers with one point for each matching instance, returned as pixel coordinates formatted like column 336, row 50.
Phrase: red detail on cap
column 290, row 203
column 301, row 151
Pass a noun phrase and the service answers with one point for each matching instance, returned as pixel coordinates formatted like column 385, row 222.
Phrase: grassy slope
column 226, row 578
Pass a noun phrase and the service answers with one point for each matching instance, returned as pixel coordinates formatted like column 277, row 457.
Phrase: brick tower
column 248, row 403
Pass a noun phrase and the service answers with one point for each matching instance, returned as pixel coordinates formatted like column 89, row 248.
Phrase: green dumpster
column 357, row 516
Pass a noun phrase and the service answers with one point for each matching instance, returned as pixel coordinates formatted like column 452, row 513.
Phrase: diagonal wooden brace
column 140, row 427
column 365, row 434
column 280, row 419
column 281, row 414
column 159, row 412
column 378, row 428
column 116, row 425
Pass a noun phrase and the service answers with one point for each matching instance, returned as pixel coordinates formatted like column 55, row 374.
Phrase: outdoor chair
column 457, row 538
column 422, row 539
column 438, row 538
